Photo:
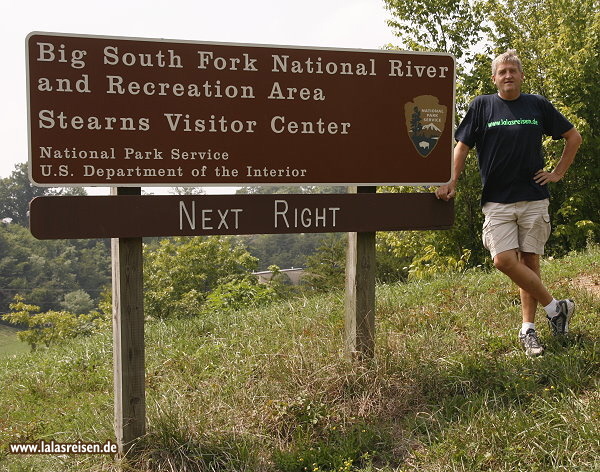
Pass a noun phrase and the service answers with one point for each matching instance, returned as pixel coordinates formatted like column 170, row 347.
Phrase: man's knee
column 505, row 261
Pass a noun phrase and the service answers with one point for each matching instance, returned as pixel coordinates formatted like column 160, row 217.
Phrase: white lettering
column 227, row 218
column 280, row 125
column 304, row 217
column 64, row 85
column 47, row 119
column 48, row 53
column 180, row 122
column 191, row 219
column 113, row 57
column 293, row 93
column 118, row 86
column 399, row 69
column 281, row 63
column 207, row 59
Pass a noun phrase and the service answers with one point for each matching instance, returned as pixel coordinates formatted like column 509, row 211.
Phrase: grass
column 9, row 342
column 269, row 390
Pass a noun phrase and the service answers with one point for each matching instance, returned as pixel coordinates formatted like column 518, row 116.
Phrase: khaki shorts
column 523, row 226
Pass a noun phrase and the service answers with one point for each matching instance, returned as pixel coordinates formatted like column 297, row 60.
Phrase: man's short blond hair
column 509, row 56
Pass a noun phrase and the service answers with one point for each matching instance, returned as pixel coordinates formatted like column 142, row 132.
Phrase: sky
column 355, row 24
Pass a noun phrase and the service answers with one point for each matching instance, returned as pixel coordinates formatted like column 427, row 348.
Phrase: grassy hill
column 269, row 390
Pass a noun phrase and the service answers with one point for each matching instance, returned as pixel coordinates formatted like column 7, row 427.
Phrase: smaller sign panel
column 128, row 216
column 108, row 111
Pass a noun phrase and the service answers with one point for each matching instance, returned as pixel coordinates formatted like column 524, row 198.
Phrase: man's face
column 508, row 80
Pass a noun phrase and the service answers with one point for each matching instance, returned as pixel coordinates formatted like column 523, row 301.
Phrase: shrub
column 239, row 294
column 179, row 273
column 51, row 326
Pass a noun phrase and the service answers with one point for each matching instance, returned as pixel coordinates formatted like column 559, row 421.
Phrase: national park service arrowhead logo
column 425, row 122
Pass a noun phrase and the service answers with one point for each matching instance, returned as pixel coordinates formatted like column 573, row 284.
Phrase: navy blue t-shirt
column 508, row 137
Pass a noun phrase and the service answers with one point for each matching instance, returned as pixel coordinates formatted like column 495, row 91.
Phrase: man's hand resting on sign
column 446, row 192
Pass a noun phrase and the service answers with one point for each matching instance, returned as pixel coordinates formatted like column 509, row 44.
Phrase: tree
column 326, row 267
column 559, row 43
column 78, row 302
column 15, row 194
column 180, row 272
column 437, row 25
column 52, row 327
column 17, row 191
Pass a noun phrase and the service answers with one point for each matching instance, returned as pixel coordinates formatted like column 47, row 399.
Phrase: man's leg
column 524, row 276
column 524, row 270
column 529, row 302
column 524, row 225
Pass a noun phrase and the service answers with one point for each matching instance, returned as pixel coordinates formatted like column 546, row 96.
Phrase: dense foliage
column 179, row 273
column 559, row 44
column 50, row 327
column 55, row 275
column 326, row 266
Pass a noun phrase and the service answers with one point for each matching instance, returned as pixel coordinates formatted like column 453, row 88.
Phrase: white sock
column 551, row 307
column 527, row 326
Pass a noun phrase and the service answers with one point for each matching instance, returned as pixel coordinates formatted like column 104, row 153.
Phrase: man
column 506, row 129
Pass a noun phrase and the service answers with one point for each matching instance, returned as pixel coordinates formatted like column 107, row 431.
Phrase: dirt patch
column 591, row 283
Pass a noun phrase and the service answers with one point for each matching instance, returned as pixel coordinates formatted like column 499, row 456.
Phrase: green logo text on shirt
column 511, row 122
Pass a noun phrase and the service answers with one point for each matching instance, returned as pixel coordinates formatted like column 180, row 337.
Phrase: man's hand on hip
column 543, row 177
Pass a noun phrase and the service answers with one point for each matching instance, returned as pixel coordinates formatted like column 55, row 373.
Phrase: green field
column 9, row 342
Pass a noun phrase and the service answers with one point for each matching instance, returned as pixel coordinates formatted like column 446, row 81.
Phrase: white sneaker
column 530, row 343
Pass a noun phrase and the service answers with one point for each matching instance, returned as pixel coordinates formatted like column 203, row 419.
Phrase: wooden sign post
column 359, row 318
column 128, row 337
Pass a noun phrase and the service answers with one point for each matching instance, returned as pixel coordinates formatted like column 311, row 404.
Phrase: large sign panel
column 113, row 111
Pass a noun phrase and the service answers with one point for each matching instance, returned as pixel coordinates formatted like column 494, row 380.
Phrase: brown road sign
column 128, row 216
column 113, row 111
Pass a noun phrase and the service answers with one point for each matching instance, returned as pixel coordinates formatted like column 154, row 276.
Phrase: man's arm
column 573, row 141
column 446, row 192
